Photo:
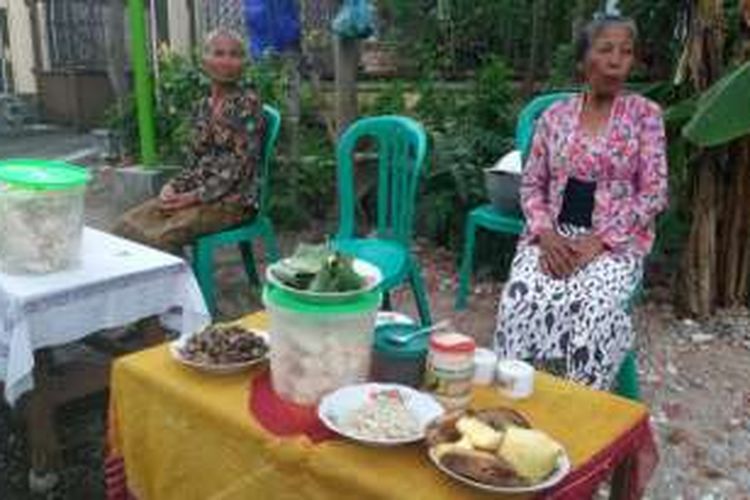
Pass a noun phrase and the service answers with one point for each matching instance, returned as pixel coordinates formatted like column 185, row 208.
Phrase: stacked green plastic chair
column 487, row 216
column 401, row 145
column 243, row 235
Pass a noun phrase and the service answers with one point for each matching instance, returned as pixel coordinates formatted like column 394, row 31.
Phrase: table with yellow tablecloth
column 175, row 433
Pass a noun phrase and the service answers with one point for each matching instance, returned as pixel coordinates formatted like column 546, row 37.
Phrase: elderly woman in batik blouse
column 217, row 188
column 594, row 181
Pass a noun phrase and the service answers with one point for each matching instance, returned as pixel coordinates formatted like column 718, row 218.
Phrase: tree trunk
column 703, row 55
column 744, row 32
column 735, row 231
column 698, row 262
column 293, row 108
column 579, row 18
column 192, row 28
column 347, row 62
column 508, row 36
column 114, row 35
column 537, row 19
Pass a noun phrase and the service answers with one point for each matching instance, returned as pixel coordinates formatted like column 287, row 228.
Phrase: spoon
column 405, row 338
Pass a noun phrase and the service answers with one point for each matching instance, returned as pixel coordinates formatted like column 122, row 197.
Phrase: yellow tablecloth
column 186, row 435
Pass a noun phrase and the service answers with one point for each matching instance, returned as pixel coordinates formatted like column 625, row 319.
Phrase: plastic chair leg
column 420, row 294
column 246, row 249
column 385, row 304
column 627, row 378
column 204, row 273
column 467, row 265
column 270, row 246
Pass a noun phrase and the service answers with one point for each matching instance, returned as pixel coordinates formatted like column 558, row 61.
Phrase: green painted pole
column 144, row 97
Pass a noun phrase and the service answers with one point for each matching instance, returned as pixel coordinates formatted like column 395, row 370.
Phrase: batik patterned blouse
column 627, row 161
column 225, row 150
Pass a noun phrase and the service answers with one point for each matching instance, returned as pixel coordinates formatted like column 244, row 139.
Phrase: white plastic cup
column 515, row 378
column 485, row 362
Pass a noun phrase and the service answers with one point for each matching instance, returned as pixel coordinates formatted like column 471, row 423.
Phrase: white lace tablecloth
column 117, row 282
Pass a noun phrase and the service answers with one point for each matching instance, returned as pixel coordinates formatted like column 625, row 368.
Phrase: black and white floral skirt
column 576, row 327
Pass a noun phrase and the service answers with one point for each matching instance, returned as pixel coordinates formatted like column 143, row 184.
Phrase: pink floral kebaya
column 627, row 161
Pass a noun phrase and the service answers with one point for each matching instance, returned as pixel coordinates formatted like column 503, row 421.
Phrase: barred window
column 224, row 13
column 75, row 30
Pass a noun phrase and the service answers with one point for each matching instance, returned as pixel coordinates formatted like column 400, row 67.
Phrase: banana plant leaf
column 679, row 113
column 723, row 111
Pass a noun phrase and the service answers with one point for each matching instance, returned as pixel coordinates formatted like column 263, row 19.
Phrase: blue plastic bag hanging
column 273, row 24
column 355, row 19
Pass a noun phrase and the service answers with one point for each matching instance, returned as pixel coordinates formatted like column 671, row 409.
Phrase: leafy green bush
column 471, row 126
column 471, row 130
column 563, row 70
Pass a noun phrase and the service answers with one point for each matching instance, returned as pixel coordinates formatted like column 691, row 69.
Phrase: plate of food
column 320, row 274
column 221, row 349
column 379, row 414
column 496, row 450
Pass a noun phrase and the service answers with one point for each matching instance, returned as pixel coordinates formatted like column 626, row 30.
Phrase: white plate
column 336, row 406
column 372, row 275
column 563, row 467
column 175, row 347
column 393, row 318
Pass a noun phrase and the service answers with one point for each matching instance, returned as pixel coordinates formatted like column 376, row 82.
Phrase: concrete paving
column 46, row 142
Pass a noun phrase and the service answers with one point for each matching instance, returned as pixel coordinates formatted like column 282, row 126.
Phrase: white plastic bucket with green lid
column 41, row 215
column 318, row 347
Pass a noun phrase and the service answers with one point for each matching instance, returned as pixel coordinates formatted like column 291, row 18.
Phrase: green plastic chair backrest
column 401, row 145
column 528, row 116
column 273, row 125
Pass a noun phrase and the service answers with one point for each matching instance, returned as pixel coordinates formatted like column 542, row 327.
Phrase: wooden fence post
column 346, row 56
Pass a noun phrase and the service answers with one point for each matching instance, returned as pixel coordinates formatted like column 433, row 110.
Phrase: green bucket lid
column 42, row 174
column 415, row 348
column 364, row 302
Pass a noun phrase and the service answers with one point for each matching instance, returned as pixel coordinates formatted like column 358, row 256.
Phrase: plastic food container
column 450, row 369
column 317, row 348
column 503, row 190
column 485, row 364
column 41, row 215
column 399, row 363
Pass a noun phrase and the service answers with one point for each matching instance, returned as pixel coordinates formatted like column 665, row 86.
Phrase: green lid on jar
column 365, row 302
column 415, row 348
column 42, row 174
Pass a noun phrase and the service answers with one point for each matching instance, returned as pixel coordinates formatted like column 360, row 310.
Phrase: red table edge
column 635, row 451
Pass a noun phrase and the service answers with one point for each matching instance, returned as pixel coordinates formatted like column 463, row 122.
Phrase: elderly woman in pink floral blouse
column 595, row 180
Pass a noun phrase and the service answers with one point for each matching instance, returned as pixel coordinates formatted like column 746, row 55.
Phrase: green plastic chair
column 487, row 216
column 401, row 151
column 626, row 383
column 243, row 235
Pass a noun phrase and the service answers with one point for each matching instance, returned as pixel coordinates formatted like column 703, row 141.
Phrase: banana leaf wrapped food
column 318, row 269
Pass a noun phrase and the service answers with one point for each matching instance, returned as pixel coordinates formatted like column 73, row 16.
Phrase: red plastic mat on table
column 283, row 418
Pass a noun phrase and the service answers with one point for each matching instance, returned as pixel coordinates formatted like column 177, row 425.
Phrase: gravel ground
column 694, row 379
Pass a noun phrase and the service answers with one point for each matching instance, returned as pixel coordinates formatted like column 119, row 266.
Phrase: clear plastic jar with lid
column 450, row 369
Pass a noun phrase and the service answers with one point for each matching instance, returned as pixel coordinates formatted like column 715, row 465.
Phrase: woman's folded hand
column 557, row 257
column 179, row 200
column 167, row 193
column 586, row 249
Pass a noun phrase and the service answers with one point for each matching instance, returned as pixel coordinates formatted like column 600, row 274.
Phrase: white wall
column 21, row 49
column 179, row 26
